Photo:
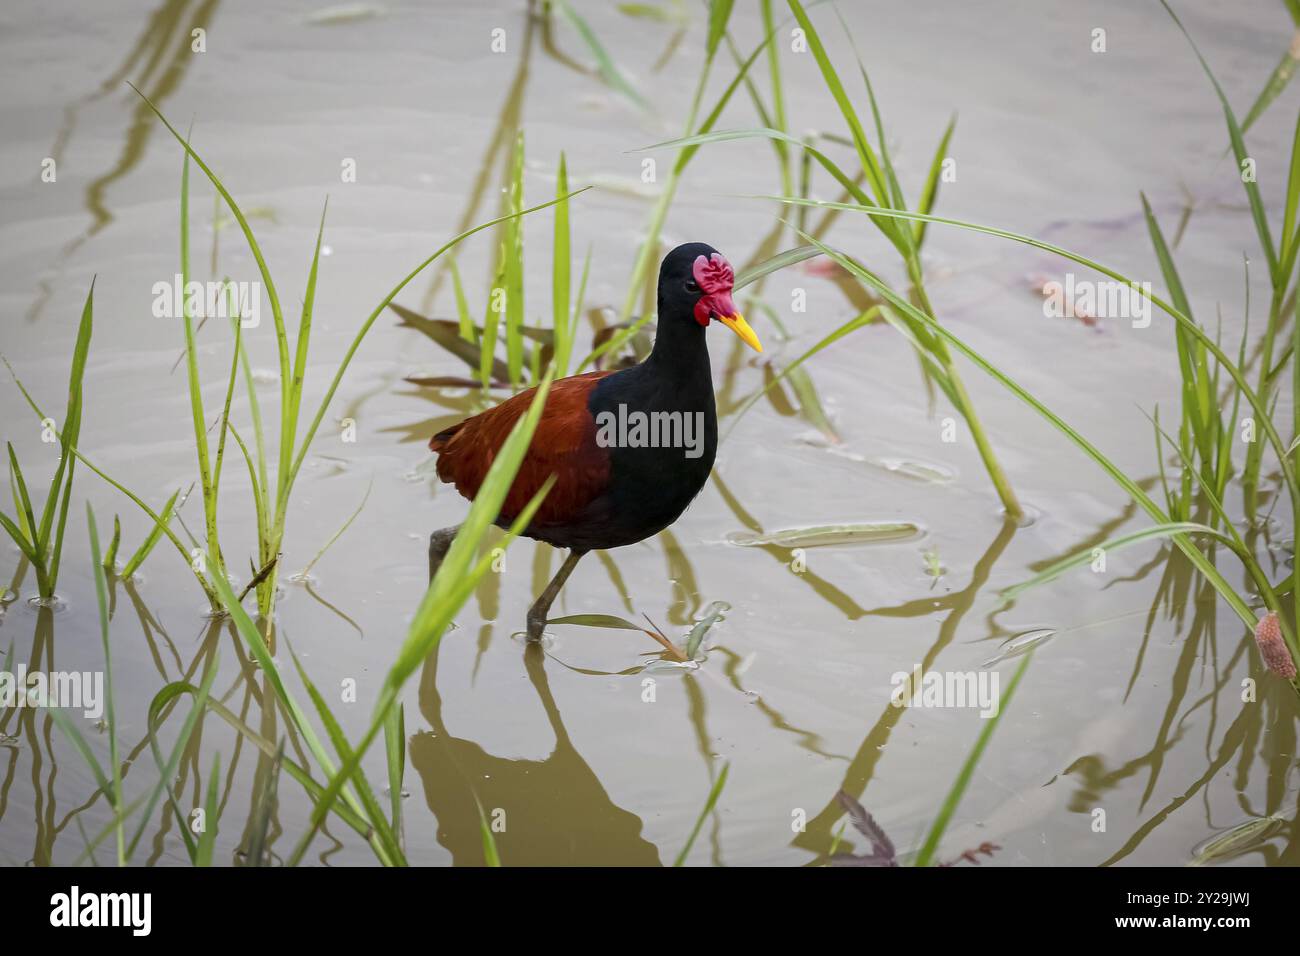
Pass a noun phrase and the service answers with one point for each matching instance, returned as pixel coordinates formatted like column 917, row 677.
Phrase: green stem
column 964, row 404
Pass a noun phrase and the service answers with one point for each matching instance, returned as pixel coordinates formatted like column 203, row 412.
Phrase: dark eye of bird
column 691, row 287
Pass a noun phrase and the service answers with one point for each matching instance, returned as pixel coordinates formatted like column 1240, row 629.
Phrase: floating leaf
column 1238, row 840
column 1021, row 643
column 649, row 11
column 717, row 612
column 597, row 620
column 449, row 381
column 661, row 666
column 622, row 624
column 876, row 532
column 916, row 470
column 346, row 13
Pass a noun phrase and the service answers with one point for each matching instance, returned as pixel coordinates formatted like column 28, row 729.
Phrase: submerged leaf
column 882, row 848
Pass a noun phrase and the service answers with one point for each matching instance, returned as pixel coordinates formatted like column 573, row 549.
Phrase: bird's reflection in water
column 557, row 812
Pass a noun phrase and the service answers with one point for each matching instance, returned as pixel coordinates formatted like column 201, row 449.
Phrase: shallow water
column 1132, row 707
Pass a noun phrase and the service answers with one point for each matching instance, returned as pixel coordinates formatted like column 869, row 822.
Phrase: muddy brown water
column 1133, row 708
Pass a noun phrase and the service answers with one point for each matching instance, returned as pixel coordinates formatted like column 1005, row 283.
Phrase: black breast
column 662, row 435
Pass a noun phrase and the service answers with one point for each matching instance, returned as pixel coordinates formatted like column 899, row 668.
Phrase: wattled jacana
column 613, row 485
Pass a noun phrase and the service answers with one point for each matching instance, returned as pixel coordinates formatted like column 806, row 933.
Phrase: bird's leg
column 542, row 606
column 439, row 542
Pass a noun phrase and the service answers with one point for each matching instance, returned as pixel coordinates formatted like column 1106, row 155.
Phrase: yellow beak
column 738, row 325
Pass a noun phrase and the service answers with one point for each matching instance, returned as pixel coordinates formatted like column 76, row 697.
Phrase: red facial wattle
column 716, row 303
column 716, row 279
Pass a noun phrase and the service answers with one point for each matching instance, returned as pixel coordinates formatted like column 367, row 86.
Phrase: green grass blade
column 467, row 330
column 1079, row 559
column 69, row 729
column 57, row 550
column 1263, row 418
column 223, row 423
column 779, row 261
column 20, row 540
column 110, row 556
column 1276, row 83
column 340, row 532
column 282, row 341
column 1290, row 233
column 28, row 530
column 433, row 619
column 168, row 771
column 867, row 155
column 487, row 343
column 490, row 853
column 561, row 275
column 1239, row 151
column 926, row 856
column 110, row 714
column 344, row 750
column 365, row 327
column 265, row 803
column 60, row 489
column 456, row 579
column 1202, row 563
column 197, row 415
column 830, row 339
column 778, row 95
column 719, row 14
column 290, row 424
column 152, row 538
column 609, row 71
column 649, row 248
column 1199, row 402
column 930, row 191
column 23, row 502
column 253, row 638
column 313, row 788
column 513, row 264
column 211, row 812
column 395, row 753
column 691, row 143
column 709, row 804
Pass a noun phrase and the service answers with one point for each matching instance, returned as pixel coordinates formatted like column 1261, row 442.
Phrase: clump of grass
column 1280, row 257
column 1177, row 532
column 347, row 793
column 1204, row 443
column 110, row 780
column 877, row 186
column 41, row 541
column 504, row 351
column 642, row 280
column 271, row 494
